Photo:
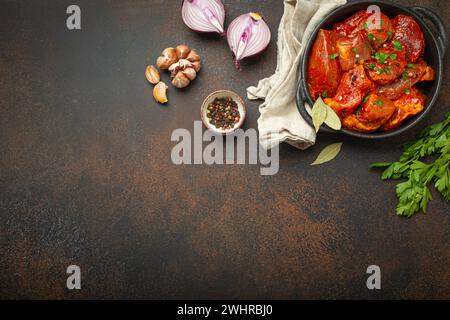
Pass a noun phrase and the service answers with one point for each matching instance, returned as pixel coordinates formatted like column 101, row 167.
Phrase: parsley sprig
column 414, row 194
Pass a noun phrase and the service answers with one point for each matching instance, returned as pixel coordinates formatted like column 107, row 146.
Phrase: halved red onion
column 248, row 35
column 204, row 15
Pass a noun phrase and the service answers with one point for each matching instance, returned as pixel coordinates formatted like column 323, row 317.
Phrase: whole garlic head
column 183, row 64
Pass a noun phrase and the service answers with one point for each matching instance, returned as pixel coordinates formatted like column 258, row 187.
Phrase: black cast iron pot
column 436, row 44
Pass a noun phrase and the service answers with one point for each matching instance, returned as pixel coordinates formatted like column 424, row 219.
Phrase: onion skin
column 204, row 15
column 248, row 35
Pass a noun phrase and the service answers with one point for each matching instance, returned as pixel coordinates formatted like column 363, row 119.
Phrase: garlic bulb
column 182, row 63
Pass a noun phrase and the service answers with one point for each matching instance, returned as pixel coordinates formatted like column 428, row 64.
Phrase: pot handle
column 438, row 23
column 301, row 101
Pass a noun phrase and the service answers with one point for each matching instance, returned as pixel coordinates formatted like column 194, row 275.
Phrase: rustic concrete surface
column 86, row 176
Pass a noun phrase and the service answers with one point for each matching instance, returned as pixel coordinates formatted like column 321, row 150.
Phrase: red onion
column 248, row 35
column 204, row 15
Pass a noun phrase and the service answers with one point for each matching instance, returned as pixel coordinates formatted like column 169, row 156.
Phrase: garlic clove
column 152, row 75
column 182, row 51
column 193, row 56
column 171, row 54
column 180, row 80
column 163, row 63
column 190, row 73
column 197, row 66
column 160, row 92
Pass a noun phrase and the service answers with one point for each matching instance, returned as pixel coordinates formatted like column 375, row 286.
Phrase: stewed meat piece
column 409, row 34
column 409, row 104
column 375, row 112
column 323, row 67
column 350, row 93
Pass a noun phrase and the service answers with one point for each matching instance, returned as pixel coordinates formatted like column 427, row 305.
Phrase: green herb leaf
column 381, row 165
column 382, row 56
column 397, row 45
column 379, row 102
column 370, row 37
column 413, row 193
column 390, row 35
column 355, row 49
column 411, row 66
column 334, row 56
column 329, row 153
column 384, row 70
column 404, row 75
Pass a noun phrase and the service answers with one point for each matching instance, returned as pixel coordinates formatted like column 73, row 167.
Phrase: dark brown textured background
column 86, row 176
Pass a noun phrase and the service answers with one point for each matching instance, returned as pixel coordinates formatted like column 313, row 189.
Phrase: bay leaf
column 332, row 120
column 329, row 153
column 319, row 113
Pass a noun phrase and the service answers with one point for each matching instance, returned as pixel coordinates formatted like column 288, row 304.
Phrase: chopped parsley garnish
column 379, row 102
column 365, row 99
column 355, row 49
column 370, row 37
column 407, row 91
column 334, row 56
column 404, row 75
column 397, row 45
column 390, row 35
column 411, row 66
column 382, row 57
column 384, row 70
column 324, row 94
column 371, row 65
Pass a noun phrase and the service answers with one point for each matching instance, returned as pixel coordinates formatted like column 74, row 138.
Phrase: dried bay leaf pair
column 322, row 113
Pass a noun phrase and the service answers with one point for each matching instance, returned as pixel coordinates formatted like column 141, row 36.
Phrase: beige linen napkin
column 280, row 120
